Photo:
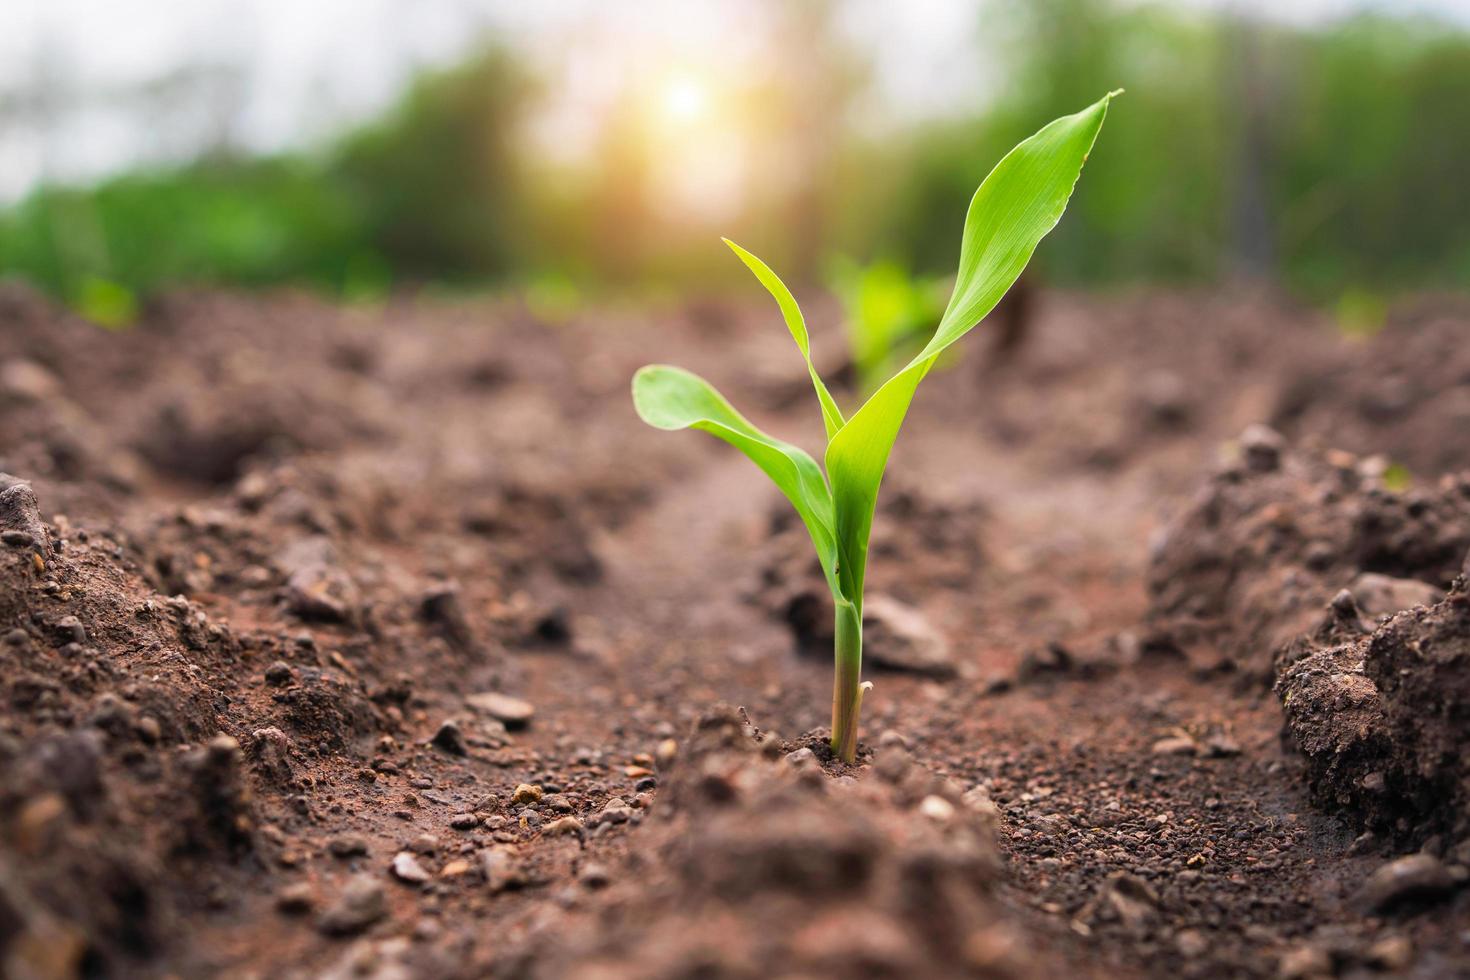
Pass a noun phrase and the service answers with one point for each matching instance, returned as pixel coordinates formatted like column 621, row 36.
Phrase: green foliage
column 1015, row 207
column 434, row 182
column 1299, row 156
column 885, row 312
column 246, row 223
column 427, row 192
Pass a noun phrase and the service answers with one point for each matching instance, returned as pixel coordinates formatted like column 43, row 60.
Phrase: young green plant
column 1015, row 207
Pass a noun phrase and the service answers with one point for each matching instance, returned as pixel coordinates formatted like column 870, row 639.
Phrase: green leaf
column 796, row 323
column 1015, row 207
column 671, row 398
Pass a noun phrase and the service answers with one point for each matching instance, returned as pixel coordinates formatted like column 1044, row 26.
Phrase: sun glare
column 685, row 99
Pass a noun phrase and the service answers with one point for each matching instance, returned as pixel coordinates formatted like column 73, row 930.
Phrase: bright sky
column 82, row 93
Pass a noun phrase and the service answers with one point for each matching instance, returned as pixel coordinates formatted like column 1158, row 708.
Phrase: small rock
column 25, row 380
column 1050, row 659
column 514, row 712
column 455, row 868
column 1391, row 953
column 450, row 739
column 802, row 758
column 891, row 739
column 526, row 793
column 1191, row 943
column 1175, row 745
column 361, row 903
column 1417, row 876
column 666, row 753
column 295, row 899
column 563, row 825
column 502, row 869
column 407, row 868
column 71, row 630
column 1382, row 595
column 279, row 674
column 464, row 821
column 1221, row 746
column 937, row 808
column 615, row 812
column 20, row 511
column 321, row 592
column 899, row 637
column 1304, row 963
column 1262, row 446
column 347, row 846
column 595, row 876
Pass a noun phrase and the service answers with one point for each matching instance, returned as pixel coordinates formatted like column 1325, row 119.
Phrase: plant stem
column 847, row 694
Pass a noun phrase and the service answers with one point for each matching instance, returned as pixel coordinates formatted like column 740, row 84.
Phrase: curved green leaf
column 1015, row 207
column 671, row 398
column 796, row 323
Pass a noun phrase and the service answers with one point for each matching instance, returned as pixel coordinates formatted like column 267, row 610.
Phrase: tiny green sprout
column 1015, row 207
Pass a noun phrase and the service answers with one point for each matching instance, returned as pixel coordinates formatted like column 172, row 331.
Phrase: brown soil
column 389, row 643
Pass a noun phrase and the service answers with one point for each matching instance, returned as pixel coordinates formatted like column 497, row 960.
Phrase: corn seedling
column 887, row 313
column 1015, row 207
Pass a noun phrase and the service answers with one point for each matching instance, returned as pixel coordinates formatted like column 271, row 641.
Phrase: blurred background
column 579, row 150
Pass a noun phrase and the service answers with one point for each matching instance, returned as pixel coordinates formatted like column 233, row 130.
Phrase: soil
column 386, row 642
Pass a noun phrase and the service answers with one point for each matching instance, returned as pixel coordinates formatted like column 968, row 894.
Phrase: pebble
column 1222, row 746
column 407, row 868
column 502, row 869
column 295, row 899
column 802, row 758
column 899, row 636
column 71, row 629
column 514, row 712
column 347, row 846
column 464, row 821
column 455, row 868
column 1417, row 876
column 278, row 674
column 891, row 739
column 361, row 903
column 666, row 753
column 450, row 739
column 1392, row 953
column 937, row 808
column 1304, row 963
column 595, row 876
column 1191, row 943
column 1174, row 745
column 557, row 803
column 563, row 825
column 526, row 793
column 1262, row 446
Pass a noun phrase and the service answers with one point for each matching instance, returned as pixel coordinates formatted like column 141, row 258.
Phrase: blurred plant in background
column 1329, row 160
column 887, row 312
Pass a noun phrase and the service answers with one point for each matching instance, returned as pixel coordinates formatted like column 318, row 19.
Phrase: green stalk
column 847, row 689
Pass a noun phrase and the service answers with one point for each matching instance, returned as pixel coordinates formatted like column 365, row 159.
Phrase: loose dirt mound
column 1248, row 567
column 349, row 642
column 773, row 867
column 1381, row 717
